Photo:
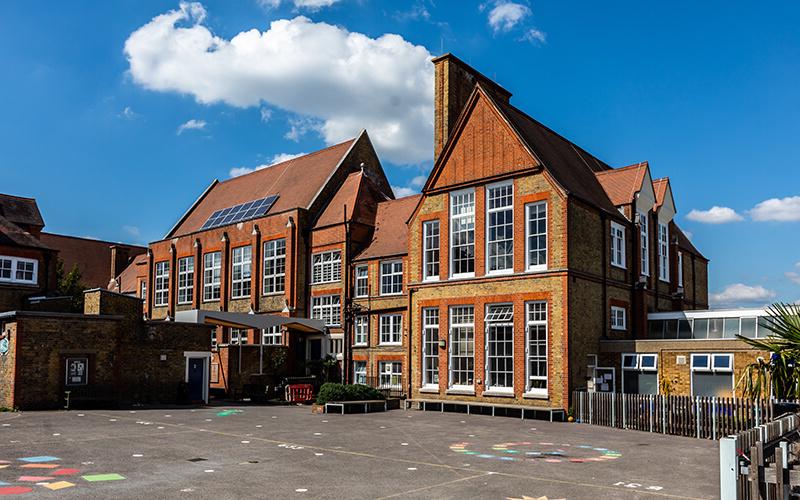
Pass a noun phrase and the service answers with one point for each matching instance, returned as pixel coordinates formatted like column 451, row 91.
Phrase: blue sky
column 115, row 141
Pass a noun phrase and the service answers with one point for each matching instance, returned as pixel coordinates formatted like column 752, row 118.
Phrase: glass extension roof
column 238, row 213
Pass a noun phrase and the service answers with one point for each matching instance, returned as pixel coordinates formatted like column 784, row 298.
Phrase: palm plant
column 780, row 376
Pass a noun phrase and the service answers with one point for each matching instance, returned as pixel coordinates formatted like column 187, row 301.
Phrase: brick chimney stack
column 453, row 84
column 120, row 256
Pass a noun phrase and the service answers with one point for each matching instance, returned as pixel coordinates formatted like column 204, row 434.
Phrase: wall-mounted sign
column 77, row 371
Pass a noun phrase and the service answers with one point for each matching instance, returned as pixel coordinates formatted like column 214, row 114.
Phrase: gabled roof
column 572, row 167
column 660, row 188
column 296, row 182
column 685, row 243
column 19, row 210
column 13, row 235
column 622, row 184
column 358, row 193
column 390, row 237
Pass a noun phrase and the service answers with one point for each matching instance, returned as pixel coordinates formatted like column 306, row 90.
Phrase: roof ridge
column 18, row 197
column 86, row 238
column 623, row 169
column 313, row 153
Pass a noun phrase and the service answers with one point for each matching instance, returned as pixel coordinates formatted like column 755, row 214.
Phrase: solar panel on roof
column 239, row 213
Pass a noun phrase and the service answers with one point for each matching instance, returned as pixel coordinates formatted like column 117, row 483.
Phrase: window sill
column 395, row 294
column 618, row 329
column 360, row 345
column 184, row 303
column 536, row 269
column 429, row 389
column 430, row 280
column 498, row 393
column 534, row 395
column 462, row 276
column 18, row 283
column 242, row 297
column 461, row 392
column 273, row 294
column 390, row 344
column 619, row 266
column 503, row 272
column 209, row 301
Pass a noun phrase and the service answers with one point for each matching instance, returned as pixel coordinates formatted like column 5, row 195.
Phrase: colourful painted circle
column 549, row 452
column 14, row 490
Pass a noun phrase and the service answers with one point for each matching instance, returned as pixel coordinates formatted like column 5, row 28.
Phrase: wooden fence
column 699, row 417
column 759, row 463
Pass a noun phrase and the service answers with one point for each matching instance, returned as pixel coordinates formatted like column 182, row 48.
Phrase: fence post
column 714, row 418
column 728, row 469
column 697, row 415
column 613, row 409
column 652, row 411
column 590, row 409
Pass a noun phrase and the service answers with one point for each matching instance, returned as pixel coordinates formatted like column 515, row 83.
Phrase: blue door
column 196, row 380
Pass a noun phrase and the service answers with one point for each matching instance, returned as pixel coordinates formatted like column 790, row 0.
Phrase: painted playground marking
column 94, row 478
column 508, row 452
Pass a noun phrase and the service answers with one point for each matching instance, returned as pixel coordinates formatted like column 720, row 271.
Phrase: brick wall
column 8, row 366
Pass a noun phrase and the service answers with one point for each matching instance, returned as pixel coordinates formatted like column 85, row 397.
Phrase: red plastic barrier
column 299, row 393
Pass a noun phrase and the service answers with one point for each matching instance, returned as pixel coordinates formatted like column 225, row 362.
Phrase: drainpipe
column 410, row 321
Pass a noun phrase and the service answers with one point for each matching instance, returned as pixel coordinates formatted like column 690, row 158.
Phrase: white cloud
column 132, row 231
column 400, row 192
column 266, row 114
column 777, row 209
column 298, row 127
column 311, row 5
column 739, row 294
column 418, row 181
column 793, row 277
column 688, row 234
column 128, row 113
column 192, row 124
column 714, row 215
column 278, row 158
column 348, row 81
column 505, row 15
column 534, row 35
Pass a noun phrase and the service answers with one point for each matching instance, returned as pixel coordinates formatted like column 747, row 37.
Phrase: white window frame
column 272, row 335
column 362, row 281
column 391, row 372
column 430, row 347
column 429, row 264
column 529, row 235
column 161, row 288
column 619, row 318
column 663, row 252
column 466, row 326
column 143, row 290
column 326, row 267
column 359, row 370
column 638, row 366
column 241, row 262
column 466, row 216
column 536, row 321
column 680, row 269
column 644, row 232
column 709, row 368
column 361, row 331
column 505, row 208
column 13, row 265
column 393, row 333
column 392, row 281
column 274, row 281
column 617, row 245
column 185, row 280
column 212, row 276
column 327, row 308
column 238, row 336
column 502, row 320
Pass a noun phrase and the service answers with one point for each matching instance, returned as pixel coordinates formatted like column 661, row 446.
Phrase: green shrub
column 340, row 392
